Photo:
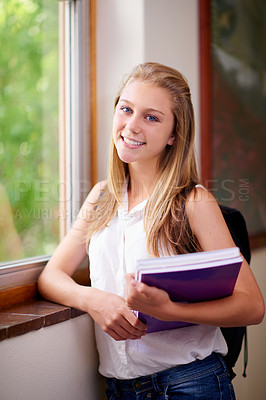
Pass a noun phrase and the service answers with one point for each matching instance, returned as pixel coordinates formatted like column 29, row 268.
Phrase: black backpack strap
column 234, row 336
column 238, row 229
column 245, row 354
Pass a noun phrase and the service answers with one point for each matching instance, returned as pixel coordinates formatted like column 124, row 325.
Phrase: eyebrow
column 146, row 109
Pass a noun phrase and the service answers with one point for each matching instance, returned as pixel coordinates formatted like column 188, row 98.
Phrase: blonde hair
column 165, row 220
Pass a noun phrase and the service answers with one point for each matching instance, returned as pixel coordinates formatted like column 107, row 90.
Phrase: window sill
column 31, row 316
column 22, row 310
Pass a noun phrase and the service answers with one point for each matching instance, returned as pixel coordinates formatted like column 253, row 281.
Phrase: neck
column 141, row 185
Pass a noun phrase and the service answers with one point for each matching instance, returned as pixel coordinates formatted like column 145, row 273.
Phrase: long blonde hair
column 165, row 220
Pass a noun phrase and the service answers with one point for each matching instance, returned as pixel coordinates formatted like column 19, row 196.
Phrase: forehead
column 147, row 95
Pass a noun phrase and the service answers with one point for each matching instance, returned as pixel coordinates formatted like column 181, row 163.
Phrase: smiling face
column 143, row 123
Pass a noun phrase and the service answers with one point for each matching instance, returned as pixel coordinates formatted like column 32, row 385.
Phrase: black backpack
column 237, row 335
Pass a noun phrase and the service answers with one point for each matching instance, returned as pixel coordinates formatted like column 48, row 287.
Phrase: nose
column 134, row 124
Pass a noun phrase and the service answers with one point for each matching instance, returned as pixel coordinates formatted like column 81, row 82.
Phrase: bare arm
column 244, row 307
column 55, row 283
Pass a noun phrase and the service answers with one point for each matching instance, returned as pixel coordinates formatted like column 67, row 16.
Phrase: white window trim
column 74, row 104
column 21, row 272
column 77, row 107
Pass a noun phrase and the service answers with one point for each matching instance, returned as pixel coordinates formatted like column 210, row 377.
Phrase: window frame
column 77, row 129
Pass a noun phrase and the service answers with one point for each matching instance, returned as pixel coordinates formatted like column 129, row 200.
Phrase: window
column 44, row 128
column 29, row 128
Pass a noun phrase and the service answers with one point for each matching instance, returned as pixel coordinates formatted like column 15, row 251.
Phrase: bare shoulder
column 96, row 191
column 92, row 197
column 199, row 199
column 88, row 207
column 206, row 220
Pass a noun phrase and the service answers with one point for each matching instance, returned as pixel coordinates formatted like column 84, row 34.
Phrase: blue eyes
column 128, row 110
column 151, row 118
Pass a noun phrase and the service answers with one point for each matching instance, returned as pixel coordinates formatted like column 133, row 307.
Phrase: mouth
column 132, row 142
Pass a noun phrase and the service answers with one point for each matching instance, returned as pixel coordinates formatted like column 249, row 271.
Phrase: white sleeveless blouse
column 113, row 253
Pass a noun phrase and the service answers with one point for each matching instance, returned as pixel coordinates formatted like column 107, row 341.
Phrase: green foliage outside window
column 29, row 151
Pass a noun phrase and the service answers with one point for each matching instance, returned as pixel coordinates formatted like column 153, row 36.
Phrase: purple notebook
column 189, row 278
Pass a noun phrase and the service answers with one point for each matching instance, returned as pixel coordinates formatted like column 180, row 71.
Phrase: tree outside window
column 29, row 149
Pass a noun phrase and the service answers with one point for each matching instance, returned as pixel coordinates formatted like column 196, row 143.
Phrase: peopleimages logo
column 48, row 190
column 227, row 190
column 50, row 199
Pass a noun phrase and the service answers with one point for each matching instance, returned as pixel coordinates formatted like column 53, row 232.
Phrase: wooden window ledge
column 22, row 309
column 32, row 315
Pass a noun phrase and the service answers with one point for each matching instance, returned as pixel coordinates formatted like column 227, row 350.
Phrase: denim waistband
column 174, row 375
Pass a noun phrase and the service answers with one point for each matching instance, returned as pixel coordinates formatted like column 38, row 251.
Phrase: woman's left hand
column 147, row 299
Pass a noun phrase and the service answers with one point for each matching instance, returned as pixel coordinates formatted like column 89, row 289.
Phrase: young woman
column 151, row 205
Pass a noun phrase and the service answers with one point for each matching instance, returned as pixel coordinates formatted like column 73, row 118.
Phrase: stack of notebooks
column 192, row 277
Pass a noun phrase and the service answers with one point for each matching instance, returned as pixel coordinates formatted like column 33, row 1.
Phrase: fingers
column 124, row 330
column 140, row 287
column 138, row 292
column 116, row 318
column 131, row 281
column 147, row 299
column 120, row 328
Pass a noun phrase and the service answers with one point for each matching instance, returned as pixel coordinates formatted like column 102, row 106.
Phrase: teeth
column 132, row 142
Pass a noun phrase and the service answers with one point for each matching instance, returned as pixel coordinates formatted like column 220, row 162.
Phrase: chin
column 126, row 158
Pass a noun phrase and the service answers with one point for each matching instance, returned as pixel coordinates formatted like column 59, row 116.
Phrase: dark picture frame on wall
column 233, row 108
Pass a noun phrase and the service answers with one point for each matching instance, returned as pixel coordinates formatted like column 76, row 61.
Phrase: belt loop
column 222, row 361
column 155, row 383
column 115, row 386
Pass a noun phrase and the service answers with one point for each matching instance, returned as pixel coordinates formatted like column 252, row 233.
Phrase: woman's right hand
column 113, row 315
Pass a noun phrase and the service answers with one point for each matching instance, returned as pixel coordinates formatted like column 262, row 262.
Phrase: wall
column 171, row 37
column 128, row 33
column 119, row 47
column 56, row 363
column 253, row 387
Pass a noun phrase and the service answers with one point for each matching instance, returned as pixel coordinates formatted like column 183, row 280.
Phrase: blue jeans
column 206, row 379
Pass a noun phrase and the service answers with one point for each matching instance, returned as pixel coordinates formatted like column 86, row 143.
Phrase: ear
column 171, row 140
